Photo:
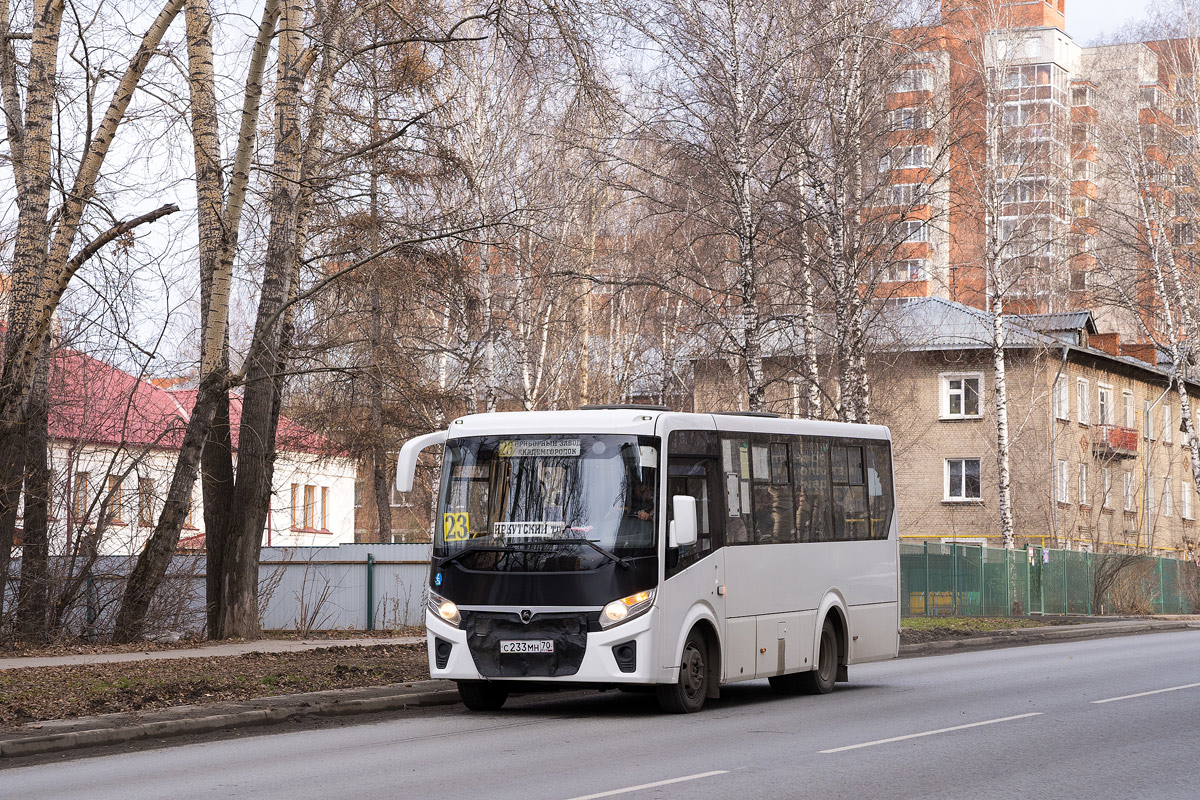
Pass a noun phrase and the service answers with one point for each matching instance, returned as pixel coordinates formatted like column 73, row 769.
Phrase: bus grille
column 486, row 630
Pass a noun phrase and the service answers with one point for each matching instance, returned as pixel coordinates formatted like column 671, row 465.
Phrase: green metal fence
column 965, row 580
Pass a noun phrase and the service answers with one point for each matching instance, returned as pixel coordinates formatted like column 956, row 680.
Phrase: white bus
column 628, row 546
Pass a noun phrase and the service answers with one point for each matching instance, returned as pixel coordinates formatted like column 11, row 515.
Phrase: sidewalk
column 109, row 729
column 215, row 649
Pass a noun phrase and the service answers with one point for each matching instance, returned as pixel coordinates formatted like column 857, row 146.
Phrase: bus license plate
column 527, row 646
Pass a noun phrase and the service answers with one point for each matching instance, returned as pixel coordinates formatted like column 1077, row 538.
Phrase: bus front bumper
column 600, row 660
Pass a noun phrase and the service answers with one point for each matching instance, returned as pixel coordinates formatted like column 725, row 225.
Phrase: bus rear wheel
column 821, row 679
column 481, row 695
column 687, row 694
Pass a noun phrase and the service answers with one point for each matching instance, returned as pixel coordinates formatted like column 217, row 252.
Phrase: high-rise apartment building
column 998, row 119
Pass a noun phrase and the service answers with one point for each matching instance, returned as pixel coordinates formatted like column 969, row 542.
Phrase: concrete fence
column 348, row 587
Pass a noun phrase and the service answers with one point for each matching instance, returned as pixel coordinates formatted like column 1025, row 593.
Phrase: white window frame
column 963, row 498
column 1062, row 485
column 1168, row 431
column 1148, row 421
column 1128, row 492
column 1104, row 405
column 1062, row 399
column 945, row 393
column 1082, row 389
column 1168, row 499
column 1106, row 486
column 1128, row 409
column 1185, row 499
column 1084, row 495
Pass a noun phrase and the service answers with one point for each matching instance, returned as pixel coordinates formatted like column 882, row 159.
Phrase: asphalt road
column 1106, row 718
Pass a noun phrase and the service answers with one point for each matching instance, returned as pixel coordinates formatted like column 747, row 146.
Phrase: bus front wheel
column 481, row 695
column 687, row 694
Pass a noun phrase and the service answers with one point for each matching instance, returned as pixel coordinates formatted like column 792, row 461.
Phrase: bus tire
column 481, row 695
column 821, row 678
column 686, row 695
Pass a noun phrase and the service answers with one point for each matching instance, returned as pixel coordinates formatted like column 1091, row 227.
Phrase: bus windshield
column 533, row 503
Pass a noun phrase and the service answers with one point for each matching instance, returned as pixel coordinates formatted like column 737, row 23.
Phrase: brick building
column 1098, row 461
column 1003, row 81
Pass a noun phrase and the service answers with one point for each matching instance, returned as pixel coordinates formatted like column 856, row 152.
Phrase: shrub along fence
column 968, row 580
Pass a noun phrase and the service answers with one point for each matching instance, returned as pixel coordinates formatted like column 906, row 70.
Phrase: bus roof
column 650, row 421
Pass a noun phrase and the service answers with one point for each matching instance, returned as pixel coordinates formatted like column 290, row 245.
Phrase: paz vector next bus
column 634, row 547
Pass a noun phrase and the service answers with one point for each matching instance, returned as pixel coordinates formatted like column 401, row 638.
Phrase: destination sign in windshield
column 539, row 448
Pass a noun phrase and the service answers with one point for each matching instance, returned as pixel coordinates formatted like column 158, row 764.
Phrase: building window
column 297, row 516
column 114, row 500
column 914, row 230
column 908, row 157
column 914, row 80
column 1168, row 431
column 1184, row 233
column 1104, row 405
column 1183, row 115
column 1106, row 487
column 1081, row 96
column 962, row 479
column 1130, row 415
column 1061, row 476
column 1130, row 493
column 1084, row 494
column 1185, row 499
column 1184, row 175
column 145, row 502
column 79, row 496
column 310, row 507
column 1062, row 400
column 910, row 119
column 960, row 396
column 1081, row 207
column 1148, row 421
column 903, row 194
column 324, row 508
column 1083, row 170
column 1081, row 401
column 1168, row 502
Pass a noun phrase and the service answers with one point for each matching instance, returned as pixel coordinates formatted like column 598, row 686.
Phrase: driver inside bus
column 641, row 504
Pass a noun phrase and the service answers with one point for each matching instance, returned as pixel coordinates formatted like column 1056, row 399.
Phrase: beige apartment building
column 1098, row 459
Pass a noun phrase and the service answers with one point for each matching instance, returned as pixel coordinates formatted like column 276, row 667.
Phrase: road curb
column 101, row 731
column 1021, row 637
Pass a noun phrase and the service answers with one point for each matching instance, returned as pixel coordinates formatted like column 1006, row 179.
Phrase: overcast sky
column 1089, row 19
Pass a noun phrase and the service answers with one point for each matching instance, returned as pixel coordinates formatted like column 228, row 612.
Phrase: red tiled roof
column 95, row 402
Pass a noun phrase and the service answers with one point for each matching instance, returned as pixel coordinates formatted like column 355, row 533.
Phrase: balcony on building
column 1115, row 441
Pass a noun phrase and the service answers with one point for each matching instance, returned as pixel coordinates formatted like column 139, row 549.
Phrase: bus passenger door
column 694, row 574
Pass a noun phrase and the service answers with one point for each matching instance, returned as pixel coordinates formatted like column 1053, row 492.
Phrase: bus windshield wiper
column 622, row 563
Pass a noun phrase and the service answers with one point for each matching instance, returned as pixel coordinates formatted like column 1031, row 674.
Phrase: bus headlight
column 626, row 608
column 444, row 609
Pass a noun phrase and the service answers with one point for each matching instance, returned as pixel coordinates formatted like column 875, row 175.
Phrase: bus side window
column 774, row 511
column 735, row 485
column 879, row 489
column 810, row 475
column 850, row 518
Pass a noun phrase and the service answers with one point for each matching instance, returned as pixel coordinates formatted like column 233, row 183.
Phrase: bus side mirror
column 684, row 526
column 406, row 462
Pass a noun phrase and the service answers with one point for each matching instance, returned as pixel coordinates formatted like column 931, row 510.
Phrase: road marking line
column 1143, row 694
column 698, row 776
column 931, row 733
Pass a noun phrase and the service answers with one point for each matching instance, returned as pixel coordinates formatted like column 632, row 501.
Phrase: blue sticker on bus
column 437, row 579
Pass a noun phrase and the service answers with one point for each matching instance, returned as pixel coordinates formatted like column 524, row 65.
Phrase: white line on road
column 696, row 777
column 931, row 733
column 1143, row 694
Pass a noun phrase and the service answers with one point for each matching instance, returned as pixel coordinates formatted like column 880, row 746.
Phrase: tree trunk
column 152, row 562
column 33, row 599
column 1003, row 477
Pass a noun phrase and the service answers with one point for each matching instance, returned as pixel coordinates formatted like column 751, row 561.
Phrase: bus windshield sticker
column 534, row 448
column 744, row 452
column 648, row 457
column 526, row 530
column 731, row 495
column 746, row 496
column 456, row 526
column 727, row 455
